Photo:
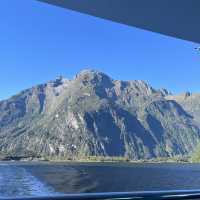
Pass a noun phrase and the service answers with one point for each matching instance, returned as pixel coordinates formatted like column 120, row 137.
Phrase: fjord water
column 17, row 181
column 28, row 179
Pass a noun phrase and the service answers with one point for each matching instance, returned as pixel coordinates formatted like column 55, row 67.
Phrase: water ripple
column 16, row 181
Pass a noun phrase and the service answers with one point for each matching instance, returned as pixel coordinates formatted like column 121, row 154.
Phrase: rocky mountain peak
column 90, row 76
column 145, row 87
column 60, row 80
column 165, row 92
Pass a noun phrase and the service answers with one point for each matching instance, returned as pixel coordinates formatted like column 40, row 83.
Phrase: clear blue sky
column 39, row 42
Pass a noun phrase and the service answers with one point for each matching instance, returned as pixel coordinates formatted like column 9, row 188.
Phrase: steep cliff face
column 190, row 102
column 95, row 115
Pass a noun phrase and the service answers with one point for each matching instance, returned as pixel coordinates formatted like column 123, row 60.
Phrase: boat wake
column 17, row 181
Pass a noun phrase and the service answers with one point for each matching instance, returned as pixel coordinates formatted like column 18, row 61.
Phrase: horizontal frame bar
column 157, row 195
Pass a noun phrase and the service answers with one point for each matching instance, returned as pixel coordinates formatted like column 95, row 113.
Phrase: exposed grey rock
column 93, row 114
column 190, row 102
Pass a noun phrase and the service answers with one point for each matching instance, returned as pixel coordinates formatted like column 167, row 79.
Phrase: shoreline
column 97, row 159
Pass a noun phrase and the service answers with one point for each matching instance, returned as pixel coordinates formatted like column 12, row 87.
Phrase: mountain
column 190, row 102
column 93, row 114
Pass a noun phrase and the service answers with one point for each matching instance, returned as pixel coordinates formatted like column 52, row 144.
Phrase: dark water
column 39, row 179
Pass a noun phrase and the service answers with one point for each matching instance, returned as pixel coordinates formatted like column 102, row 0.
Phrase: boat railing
column 150, row 195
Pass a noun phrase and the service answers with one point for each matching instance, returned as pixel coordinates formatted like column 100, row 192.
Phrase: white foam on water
column 17, row 181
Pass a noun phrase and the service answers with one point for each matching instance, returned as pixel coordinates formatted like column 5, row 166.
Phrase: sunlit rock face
column 92, row 114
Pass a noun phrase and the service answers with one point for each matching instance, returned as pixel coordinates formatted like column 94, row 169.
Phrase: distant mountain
column 190, row 102
column 93, row 114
